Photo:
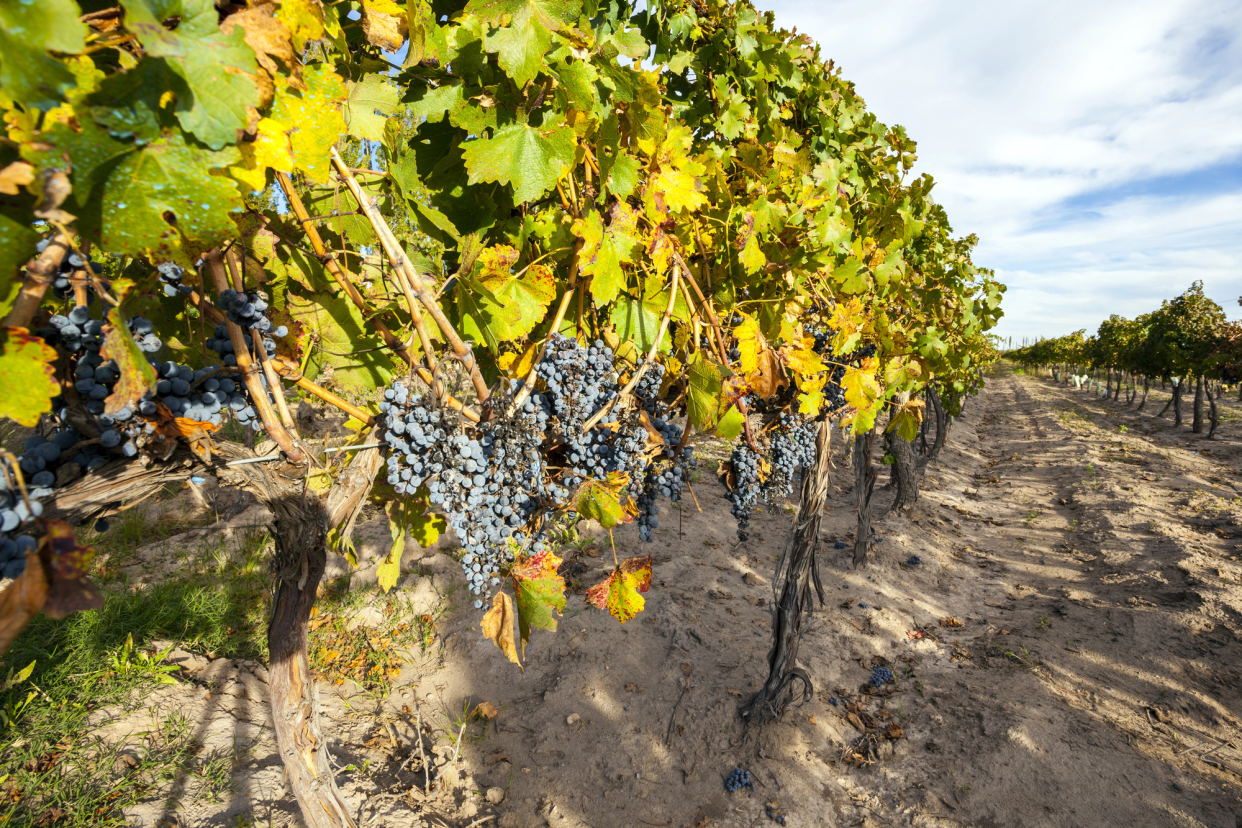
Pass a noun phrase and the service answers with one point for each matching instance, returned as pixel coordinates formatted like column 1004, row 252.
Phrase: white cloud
column 1078, row 139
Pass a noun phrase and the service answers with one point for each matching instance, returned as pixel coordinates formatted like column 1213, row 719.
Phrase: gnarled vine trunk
column 1213, row 412
column 864, row 485
column 905, row 471
column 1146, row 387
column 1196, row 422
column 795, row 574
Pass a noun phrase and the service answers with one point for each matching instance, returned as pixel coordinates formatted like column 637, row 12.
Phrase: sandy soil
column 1067, row 654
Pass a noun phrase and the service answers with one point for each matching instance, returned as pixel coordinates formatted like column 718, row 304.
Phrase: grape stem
column 235, row 264
column 286, row 369
column 40, row 273
column 724, row 357
column 651, row 355
column 250, row 372
column 340, row 276
column 402, row 265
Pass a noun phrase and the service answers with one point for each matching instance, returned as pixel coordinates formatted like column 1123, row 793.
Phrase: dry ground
column 1067, row 654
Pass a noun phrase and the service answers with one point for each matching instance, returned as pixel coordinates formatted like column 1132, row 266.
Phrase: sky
column 1095, row 147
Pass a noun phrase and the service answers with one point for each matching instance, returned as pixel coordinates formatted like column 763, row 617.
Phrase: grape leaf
column 860, row 385
column 497, row 626
column 703, row 392
column 749, row 344
column 162, row 200
column 17, row 246
column 311, row 118
column 621, row 592
column 552, row 13
column 605, row 250
column 388, row 570
column 27, row 375
column 905, row 423
column 348, row 351
column 267, row 35
column 602, row 500
column 70, row 590
column 369, row 105
column 730, row 425
column 384, row 23
column 219, row 101
column 540, row 593
column 137, row 375
column 530, row 159
column 304, row 19
column 499, row 306
column 803, row 359
column 520, row 46
column 28, row 74
column 636, row 322
column 851, row 276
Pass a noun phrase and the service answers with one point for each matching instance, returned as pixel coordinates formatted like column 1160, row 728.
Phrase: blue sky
column 1095, row 147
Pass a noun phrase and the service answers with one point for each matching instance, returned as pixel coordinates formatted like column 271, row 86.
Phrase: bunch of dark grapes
column 62, row 284
column 792, row 447
column 171, row 275
column 647, row 389
column 737, row 780
column 746, row 489
column 488, row 488
column 880, row 677
column 834, row 395
column 247, row 311
column 579, row 381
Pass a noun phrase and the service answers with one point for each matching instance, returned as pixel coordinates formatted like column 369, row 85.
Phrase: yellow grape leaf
column 803, row 360
column 901, row 370
column 674, row 187
column 906, row 421
column 848, row 319
column 389, row 569
column 812, row 397
column 498, row 626
column 860, row 385
column 621, row 592
column 749, row 343
column 304, row 19
column 604, row 251
column 312, row 119
column 27, row 375
column 384, row 23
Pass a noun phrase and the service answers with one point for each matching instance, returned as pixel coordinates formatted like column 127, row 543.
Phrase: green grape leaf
column 621, row 592
column 540, row 593
column 636, row 322
column 851, row 276
column 433, row 104
column 28, row 375
column 905, row 424
column 219, row 101
column 530, row 159
column 703, row 392
column 368, row 107
column 137, row 375
column 730, row 425
column 28, row 30
column 520, row 46
column 552, row 13
column 497, row 626
column 163, row 197
column 17, row 246
column 601, row 500
column 347, row 350
column 499, row 306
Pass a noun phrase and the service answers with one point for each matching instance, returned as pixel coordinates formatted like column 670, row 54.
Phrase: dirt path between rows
column 1066, row 653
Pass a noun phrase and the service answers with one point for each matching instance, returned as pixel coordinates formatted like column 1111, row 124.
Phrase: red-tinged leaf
column 70, row 590
column 621, row 592
column 27, row 376
column 540, row 593
column 137, row 375
column 600, row 500
column 498, row 626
